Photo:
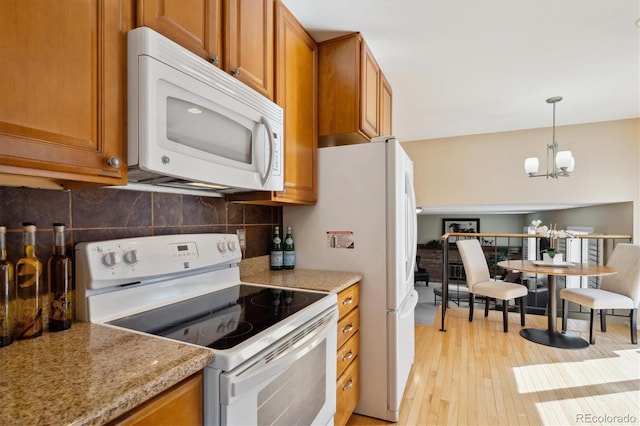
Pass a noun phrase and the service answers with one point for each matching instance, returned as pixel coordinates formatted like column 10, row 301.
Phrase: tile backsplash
column 106, row 213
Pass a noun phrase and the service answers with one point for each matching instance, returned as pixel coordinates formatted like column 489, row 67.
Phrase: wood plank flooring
column 474, row 374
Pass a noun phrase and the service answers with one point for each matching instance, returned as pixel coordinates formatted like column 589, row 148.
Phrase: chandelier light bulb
column 531, row 165
column 564, row 159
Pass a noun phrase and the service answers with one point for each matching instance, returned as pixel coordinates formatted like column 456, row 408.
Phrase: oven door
column 291, row 382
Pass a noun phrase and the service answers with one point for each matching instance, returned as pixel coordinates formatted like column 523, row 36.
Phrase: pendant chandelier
column 562, row 162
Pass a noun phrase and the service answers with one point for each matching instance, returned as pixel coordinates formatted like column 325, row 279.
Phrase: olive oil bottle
column 7, row 294
column 29, row 287
column 60, row 287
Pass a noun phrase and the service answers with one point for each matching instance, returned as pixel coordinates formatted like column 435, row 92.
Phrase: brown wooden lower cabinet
column 177, row 406
column 348, row 361
column 347, row 392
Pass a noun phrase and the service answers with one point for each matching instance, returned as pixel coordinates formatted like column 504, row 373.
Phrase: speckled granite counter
column 312, row 279
column 89, row 374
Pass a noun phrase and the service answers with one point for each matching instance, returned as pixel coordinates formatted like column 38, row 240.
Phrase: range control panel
column 116, row 262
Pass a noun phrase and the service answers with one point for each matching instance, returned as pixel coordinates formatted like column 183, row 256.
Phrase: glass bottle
column 289, row 252
column 29, row 287
column 59, row 278
column 7, row 294
column 276, row 250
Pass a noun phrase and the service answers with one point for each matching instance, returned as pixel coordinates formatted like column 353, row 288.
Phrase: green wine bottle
column 276, row 250
column 289, row 252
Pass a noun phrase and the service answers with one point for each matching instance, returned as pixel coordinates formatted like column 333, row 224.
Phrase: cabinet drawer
column 347, row 353
column 348, row 325
column 347, row 392
column 348, row 299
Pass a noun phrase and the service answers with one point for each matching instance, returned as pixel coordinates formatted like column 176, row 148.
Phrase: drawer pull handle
column 347, row 328
column 348, row 385
column 347, row 301
column 348, row 356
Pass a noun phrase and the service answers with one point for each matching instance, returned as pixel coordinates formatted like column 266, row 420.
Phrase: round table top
column 577, row 269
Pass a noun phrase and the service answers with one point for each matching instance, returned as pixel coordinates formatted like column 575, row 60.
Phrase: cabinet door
column 62, row 80
column 385, row 106
column 180, row 405
column 194, row 24
column 369, row 92
column 248, row 51
column 297, row 93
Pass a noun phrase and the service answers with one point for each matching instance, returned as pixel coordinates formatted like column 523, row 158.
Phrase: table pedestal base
column 554, row 339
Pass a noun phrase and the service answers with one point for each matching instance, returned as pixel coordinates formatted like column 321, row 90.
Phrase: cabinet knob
column 235, row 72
column 114, row 162
column 215, row 60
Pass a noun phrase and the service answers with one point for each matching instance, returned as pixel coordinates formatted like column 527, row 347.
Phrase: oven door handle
column 261, row 370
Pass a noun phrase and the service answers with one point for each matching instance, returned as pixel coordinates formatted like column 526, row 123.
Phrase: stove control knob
column 222, row 329
column 111, row 259
column 232, row 245
column 222, row 247
column 131, row 257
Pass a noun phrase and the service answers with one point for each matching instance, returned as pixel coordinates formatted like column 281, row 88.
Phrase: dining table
column 550, row 336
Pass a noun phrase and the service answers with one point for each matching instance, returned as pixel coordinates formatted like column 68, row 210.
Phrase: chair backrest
column 475, row 264
column 626, row 260
column 417, row 268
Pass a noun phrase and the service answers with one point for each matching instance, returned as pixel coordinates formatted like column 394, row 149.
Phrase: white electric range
column 274, row 347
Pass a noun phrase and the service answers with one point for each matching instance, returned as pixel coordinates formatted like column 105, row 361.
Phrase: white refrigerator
column 365, row 221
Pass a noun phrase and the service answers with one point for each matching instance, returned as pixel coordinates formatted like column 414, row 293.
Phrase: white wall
column 610, row 219
column 430, row 226
column 488, row 169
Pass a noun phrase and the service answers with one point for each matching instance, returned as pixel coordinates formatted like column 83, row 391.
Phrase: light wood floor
column 474, row 374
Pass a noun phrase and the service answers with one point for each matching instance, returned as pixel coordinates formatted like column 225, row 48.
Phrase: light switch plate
column 242, row 238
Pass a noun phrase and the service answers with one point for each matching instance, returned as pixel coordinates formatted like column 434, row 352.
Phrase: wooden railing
column 499, row 247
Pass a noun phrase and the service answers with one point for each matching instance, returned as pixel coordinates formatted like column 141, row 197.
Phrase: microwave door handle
column 272, row 153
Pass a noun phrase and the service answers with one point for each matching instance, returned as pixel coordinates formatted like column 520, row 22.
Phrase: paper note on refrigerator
column 340, row 239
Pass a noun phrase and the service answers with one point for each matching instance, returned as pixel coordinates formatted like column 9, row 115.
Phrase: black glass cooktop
column 222, row 319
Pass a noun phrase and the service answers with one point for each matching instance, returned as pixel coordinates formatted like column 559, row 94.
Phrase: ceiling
column 462, row 67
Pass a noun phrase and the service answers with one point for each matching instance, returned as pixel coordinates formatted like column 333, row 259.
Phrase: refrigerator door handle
column 409, row 305
column 411, row 220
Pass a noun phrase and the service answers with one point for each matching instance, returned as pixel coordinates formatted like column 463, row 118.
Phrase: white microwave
column 193, row 126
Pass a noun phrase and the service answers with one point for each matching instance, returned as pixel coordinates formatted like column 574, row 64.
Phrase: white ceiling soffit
column 461, row 67
column 496, row 208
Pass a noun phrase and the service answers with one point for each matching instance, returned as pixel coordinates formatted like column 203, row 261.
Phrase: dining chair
column 618, row 291
column 420, row 274
column 480, row 283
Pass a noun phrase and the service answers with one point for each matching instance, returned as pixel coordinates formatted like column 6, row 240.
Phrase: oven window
column 208, row 131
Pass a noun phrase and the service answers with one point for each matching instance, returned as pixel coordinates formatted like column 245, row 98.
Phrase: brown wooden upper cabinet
column 63, row 88
column 235, row 35
column 386, row 97
column 352, row 90
column 297, row 93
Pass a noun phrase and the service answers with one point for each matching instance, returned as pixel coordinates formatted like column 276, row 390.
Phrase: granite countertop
column 310, row 279
column 89, row 374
